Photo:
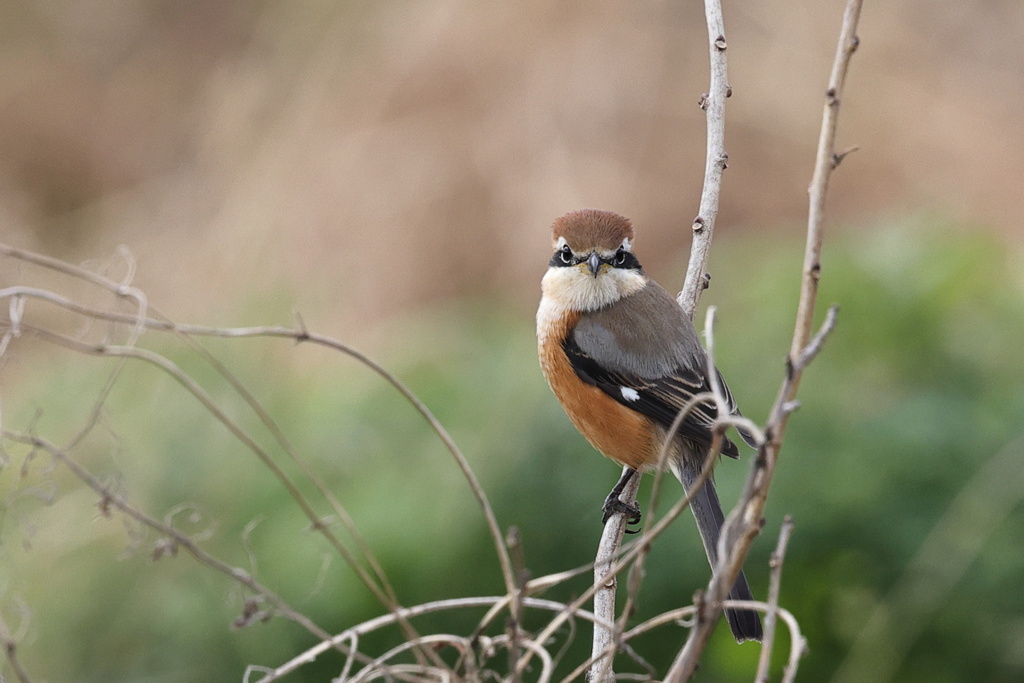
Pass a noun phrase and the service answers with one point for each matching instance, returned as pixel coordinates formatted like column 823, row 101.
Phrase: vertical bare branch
column 743, row 524
column 771, row 617
column 713, row 104
column 825, row 162
column 603, row 647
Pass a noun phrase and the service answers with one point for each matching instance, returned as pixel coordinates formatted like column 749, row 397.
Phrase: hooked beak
column 594, row 263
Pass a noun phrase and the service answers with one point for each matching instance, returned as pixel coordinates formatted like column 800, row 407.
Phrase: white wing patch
column 629, row 394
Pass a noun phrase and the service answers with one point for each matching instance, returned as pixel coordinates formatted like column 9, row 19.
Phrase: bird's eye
column 565, row 254
column 620, row 258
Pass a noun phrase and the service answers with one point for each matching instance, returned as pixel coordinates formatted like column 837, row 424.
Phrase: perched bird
column 623, row 359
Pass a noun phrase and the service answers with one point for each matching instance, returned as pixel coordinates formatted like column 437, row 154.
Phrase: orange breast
column 621, row 434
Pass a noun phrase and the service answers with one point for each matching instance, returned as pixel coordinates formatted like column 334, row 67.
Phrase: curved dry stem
column 298, row 335
column 376, row 582
column 138, row 322
column 410, row 613
column 110, row 499
column 378, row 668
column 9, row 642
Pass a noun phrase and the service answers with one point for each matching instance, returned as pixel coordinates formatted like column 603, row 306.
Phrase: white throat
column 576, row 289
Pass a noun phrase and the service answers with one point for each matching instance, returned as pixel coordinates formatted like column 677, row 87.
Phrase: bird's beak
column 594, row 263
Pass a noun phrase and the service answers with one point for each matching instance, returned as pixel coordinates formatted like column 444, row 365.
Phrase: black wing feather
column 659, row 399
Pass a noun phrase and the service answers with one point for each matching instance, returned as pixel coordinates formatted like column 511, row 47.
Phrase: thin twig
column 823, row 166
column 774, row 586
column 299, row 335
column 713, row 104
column 377, row 623
column 111, row 499
column 604, row 596
column 9, row 642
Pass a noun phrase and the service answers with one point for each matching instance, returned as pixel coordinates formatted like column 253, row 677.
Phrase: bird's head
column 593, row 265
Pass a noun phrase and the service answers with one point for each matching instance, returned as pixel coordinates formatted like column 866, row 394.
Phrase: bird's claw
column 614, row 505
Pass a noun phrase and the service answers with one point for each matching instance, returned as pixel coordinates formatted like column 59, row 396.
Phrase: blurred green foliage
column 918, row 388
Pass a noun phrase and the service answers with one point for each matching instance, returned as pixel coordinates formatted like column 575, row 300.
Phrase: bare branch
column 140, row 321
column 652, row 529
column 180, row 540
column 713, row 104
column 354, row 633
column 812, row 348
column 605, row 638
column 823, row 166
column 744, row 523
column 774, row 587
column 9, row 642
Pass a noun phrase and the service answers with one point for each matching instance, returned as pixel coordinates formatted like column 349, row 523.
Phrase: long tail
column 745, row 624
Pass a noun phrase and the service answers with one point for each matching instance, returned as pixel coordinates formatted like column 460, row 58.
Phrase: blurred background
column 390, row 171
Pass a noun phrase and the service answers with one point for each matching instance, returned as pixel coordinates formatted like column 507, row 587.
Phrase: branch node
column 832, row 97
column 698, row 224
column 728, row 91
column 705, row 281
column 703, row 101
column 837, row 158
column 104, row 505
column 302, row 333
column 812, row 348
column 163, row 547
column 720, row 43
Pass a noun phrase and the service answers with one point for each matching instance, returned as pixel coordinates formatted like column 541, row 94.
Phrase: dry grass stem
column 177, row 540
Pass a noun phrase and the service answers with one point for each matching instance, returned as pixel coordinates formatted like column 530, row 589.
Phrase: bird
column 623, row 358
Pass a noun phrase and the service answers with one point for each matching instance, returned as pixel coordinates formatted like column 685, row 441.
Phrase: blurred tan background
column 390, row 169
column 378, row 154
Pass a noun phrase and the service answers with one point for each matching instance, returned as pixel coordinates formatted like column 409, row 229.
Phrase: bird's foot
column 613, row 505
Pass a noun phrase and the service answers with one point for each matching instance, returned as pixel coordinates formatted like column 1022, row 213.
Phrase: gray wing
column 647, row 357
